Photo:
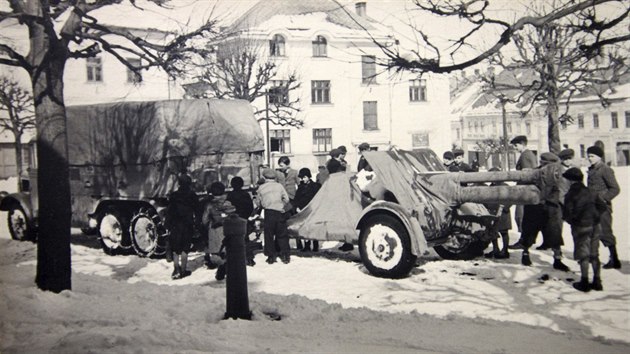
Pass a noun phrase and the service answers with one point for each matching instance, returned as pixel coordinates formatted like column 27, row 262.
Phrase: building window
column 582, row 151
column 319, row 47
column 320, row 91
column 280, row 141
column 494, row 126
column 457, row 133
column 595, row 120
column 94, row 69
column 528, row 127
column 580, row 119
column 278, row 92
column 368, row 69
column 509, row 127
column 276, row 46
column 133, row 77
column 627, row 119
column 418, row 90
column 614, row 120
column 322, row 140
column 476, row 126
column 370, row 116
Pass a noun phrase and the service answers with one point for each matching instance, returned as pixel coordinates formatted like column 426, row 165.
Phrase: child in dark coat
column 305, row 192
column 180, row 221
column 582, row 209
column 242, row 201
column 215, row 210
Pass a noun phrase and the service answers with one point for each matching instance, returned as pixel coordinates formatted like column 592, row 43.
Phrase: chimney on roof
column 361, row 8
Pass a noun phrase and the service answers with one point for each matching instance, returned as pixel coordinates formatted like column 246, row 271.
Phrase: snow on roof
column 284, row 12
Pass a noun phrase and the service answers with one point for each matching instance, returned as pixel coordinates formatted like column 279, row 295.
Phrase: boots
column 614, row 259
column 582, row 285
column 525, row 259
column 597, row 284
column 307, row 246
column 220, row 275
column 177, row 273
column 557, row 264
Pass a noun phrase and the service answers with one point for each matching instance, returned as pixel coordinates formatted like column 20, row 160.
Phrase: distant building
column 345, row 97
column 478, row 116
column 592, row 122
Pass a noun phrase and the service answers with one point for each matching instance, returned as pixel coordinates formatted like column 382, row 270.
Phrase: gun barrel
column 520, row 194
column 529, row 176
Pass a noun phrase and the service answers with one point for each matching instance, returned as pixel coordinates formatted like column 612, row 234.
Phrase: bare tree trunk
column 48, row 57
column 553, row 130
column 18, row 157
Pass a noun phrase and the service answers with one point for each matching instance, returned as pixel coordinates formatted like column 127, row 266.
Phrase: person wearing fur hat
column 546, row 218
column 273, row 198
column 601, row 180
column 458, row 162
column 582, row 209
column 448, row 159
column 305, row 192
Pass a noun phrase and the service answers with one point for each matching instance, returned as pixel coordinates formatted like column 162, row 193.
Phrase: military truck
column 123, row 162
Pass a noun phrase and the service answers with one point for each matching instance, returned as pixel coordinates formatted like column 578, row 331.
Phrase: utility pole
column 268, row 142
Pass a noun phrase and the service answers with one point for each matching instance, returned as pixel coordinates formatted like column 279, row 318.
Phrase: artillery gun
column 416, row 204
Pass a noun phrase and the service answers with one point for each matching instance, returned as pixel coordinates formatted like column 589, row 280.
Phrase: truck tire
column 464, row 249
column 145, row 233
column 18, row 224
column 385, row 247
column 110, row 231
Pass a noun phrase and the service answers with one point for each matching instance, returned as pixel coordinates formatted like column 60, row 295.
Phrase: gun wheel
column 385, row 247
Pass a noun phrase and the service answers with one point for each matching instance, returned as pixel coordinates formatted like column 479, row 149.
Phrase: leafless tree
column 17, row 103
column 239, row 70
column 573, row 46
column 81, row 36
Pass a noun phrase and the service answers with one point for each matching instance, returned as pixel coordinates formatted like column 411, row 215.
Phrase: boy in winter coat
column 244, row 205
column 602, row 181
column 180, row 220
column 273, row 199
column 215, row 210
column 305, row 192
column 582, row 210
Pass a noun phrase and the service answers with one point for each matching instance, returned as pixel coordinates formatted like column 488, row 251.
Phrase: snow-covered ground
column 327, row 303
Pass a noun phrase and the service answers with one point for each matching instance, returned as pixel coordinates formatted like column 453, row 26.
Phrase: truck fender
column 418, row 242
column 126, row 207
column 23, row 199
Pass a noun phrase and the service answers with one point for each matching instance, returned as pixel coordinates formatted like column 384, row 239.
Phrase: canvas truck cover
column 135, row 149
column 337, row 207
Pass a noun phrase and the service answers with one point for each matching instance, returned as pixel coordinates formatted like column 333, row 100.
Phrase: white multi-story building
column 105, row 79
column 593, row 122
column 346, row 98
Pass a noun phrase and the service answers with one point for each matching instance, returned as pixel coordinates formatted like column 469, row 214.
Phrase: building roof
column 342, row 15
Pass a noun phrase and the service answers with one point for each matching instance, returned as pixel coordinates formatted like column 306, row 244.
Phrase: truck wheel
column 385, row 247
column 144, row 233
column 18, row 224
column 110, row 231
column 462, row 248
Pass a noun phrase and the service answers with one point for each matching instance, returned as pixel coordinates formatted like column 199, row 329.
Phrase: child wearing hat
column 582, row 211
column 306, row 190
column 273, row 199
column 601, row 180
